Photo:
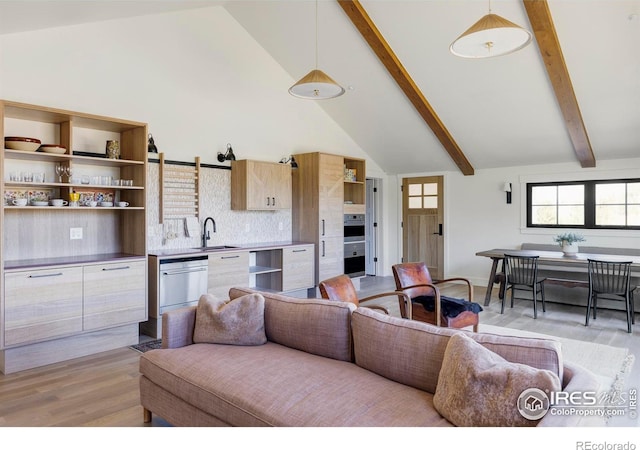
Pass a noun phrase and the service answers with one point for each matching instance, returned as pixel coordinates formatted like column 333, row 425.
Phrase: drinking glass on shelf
column 68, row 171
column 60, row 170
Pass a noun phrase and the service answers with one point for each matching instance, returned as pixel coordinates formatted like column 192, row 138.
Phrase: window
column 423, row 196
column 584, row 204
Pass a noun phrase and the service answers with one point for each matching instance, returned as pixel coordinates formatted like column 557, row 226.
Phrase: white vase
column 569, row 249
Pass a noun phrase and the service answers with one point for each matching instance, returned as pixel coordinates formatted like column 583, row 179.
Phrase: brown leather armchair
column 415, row 280
column 341, row 289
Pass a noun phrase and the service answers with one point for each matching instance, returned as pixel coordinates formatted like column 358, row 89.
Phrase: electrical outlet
column 75, row 233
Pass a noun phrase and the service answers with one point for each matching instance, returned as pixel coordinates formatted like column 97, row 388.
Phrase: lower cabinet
column 114, row 294
column 42, row 304
column 227, row 270
column 55, row 302
column 297, row 267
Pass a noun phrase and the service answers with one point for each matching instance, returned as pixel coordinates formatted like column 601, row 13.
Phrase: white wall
column 197, row 78
column 478, row 218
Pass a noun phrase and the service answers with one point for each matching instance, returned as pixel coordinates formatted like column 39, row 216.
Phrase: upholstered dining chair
column 340, row 288
column 610, row 280
column 521, row 274
column 428, row 305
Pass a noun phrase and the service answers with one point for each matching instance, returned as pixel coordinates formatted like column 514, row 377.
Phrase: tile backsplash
column 232, row 227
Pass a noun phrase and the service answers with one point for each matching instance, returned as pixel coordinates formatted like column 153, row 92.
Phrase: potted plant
column 568, row 242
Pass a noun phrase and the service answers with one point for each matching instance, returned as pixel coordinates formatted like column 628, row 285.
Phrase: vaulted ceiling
column 572, row 95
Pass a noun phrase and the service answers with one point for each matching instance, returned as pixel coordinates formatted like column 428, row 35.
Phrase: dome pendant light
column 490, row 36
column 316, row 85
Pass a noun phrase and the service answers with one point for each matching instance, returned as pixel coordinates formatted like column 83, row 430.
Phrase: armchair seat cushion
column 449, row 306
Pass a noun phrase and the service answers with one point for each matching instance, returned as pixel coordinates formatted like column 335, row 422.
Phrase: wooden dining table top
column 560, row 258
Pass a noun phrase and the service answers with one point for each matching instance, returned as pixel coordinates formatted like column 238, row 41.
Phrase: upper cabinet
column 259, row 185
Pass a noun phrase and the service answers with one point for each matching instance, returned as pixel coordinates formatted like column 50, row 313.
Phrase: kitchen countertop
column 184, row 252
column 21, row 264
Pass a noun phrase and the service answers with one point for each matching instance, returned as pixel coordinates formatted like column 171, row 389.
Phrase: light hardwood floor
column 102, row 390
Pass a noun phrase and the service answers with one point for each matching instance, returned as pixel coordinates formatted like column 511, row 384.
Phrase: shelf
column 53, row 157
column 22, row 184
column 71, row 208
column 255, row 270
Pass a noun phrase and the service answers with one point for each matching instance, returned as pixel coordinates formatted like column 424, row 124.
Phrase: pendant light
column 316, row 85
column 490, row 36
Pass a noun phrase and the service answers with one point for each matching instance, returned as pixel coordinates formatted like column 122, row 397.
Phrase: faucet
column 205, row 234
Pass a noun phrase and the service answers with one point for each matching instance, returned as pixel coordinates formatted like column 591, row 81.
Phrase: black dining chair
column 521, row 273
column 610, row 280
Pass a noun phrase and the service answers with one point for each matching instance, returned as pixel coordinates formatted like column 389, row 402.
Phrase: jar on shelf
column 113, row 149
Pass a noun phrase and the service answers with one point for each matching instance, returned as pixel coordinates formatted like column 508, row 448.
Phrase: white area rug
column 609, row 364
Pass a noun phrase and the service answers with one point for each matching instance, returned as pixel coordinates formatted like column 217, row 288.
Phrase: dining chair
column 428, row 305
column 521, row 274
column 340, row 288
column 610, row 280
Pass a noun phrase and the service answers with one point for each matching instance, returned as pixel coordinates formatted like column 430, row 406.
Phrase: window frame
column 589, row 204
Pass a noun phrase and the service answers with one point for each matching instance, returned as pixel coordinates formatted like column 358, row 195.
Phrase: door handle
column 439, row 232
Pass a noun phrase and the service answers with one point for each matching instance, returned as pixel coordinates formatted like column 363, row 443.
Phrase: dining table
column 552, row 258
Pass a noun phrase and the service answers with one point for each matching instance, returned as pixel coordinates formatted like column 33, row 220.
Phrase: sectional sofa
column 330, row 364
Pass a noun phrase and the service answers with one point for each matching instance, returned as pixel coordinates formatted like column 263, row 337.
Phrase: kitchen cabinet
column 42, row 304
column 114, row 294
column 64, row 236
column 297, row 267
column 227, row 270
column 317, row 211
column 259, row 185
column 354, row 185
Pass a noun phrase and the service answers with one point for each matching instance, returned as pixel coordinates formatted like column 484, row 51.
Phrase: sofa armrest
column 576, row 379
column 178, row 326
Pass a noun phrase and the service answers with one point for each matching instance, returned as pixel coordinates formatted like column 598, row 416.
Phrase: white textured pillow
column 478, row 388
column 236, row 322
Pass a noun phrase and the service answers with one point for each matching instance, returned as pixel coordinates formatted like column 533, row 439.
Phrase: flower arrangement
column 569, row 238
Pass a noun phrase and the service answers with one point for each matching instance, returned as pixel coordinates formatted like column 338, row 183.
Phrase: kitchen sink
column 214, row 248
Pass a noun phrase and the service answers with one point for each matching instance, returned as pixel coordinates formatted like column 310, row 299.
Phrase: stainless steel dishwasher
column 182, row 281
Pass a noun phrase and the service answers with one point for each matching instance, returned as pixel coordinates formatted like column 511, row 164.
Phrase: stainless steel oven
column 354, row 245
column 182, row 281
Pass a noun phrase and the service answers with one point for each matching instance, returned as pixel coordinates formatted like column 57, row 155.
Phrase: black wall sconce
column 291, row 160
column 151, row 148
column 229, row 156
column 507, row 189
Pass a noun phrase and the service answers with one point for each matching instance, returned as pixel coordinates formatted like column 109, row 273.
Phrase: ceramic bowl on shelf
column 106, row 204
column 39, row 203
column 53, row 148
column 21, row 143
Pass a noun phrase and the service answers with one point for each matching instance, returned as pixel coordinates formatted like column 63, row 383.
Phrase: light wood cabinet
column 297, row 267
column 42, row 304
column 46, row 324
column 114, row 294
column 227, row 270
column 354, row 185
column 317, row 212
column 259, row 185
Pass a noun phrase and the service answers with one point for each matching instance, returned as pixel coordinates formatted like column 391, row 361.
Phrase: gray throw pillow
column 235, row 322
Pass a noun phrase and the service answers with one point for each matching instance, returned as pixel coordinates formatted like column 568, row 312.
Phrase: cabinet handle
column 301, row 250
column 268, row 201
column 323, row 227
column 273, row 201
column 116, row 268
column 323, row 248
column 58, row 274
column 230, row 257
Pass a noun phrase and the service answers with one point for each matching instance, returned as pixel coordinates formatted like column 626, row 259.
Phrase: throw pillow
column 477, row 387
column 236, row 322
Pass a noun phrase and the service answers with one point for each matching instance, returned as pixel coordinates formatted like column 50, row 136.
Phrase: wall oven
column 354, row 245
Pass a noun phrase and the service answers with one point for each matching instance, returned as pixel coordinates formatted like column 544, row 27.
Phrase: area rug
column 610, row 365
column 146, row 346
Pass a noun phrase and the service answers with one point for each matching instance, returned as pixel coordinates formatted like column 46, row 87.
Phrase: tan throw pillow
column 236, row 322
column 478, row 388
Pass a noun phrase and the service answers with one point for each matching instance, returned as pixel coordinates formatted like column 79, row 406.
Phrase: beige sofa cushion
column 236, row 322
column 411, row 352
column 316, row 326
column 479, row 388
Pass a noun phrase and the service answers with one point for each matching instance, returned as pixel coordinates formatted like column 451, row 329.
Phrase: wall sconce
column 291, row 160
column 229, row 156
column 507, row 189
column 151, row 148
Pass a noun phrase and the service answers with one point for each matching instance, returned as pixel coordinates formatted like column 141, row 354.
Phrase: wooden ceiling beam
column 363, row 23
column 547, row 39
